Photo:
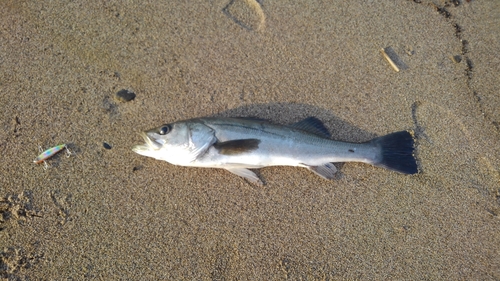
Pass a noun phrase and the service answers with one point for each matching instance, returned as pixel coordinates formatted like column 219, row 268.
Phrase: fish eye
column 165, row 129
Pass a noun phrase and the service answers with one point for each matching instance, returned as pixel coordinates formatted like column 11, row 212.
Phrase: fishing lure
column 49, row 153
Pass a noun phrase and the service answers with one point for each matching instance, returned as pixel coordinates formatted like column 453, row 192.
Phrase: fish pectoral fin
column 247, row 174
column 235, row 147
column 326, row 171
column 312, row 125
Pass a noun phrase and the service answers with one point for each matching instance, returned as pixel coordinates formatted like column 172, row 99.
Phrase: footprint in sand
column 246, row 13
column 448, row 148
column 63, row 203
column 17, row 208
column 13, row 259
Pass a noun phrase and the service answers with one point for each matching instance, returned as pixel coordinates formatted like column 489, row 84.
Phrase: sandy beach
column 107, row 213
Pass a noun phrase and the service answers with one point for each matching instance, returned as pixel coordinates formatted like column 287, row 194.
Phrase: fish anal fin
column 247, row 174
column 312, row 125
column 326, row 171
column 235, row 147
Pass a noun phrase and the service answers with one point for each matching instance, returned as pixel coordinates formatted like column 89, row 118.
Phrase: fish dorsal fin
column 312, row 125
column 235, row 147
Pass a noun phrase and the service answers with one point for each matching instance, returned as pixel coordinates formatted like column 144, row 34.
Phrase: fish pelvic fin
column 247, row 174
column 396, row 152
column 235, row 147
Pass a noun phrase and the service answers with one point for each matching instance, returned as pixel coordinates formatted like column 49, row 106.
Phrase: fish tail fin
column 396, row 152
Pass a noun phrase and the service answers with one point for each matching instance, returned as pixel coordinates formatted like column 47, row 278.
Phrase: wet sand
column 112, row 214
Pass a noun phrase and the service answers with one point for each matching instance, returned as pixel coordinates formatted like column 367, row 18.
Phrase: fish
column 239, row 144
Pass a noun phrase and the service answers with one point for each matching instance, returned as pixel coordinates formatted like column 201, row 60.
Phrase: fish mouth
column 150, row 144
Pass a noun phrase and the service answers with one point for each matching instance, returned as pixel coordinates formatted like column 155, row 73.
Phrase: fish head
column 178, row 143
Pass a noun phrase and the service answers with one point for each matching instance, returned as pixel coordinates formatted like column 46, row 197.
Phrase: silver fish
column 239, row 144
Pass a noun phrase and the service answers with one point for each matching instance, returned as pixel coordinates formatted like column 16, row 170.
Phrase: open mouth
column 149, row 145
